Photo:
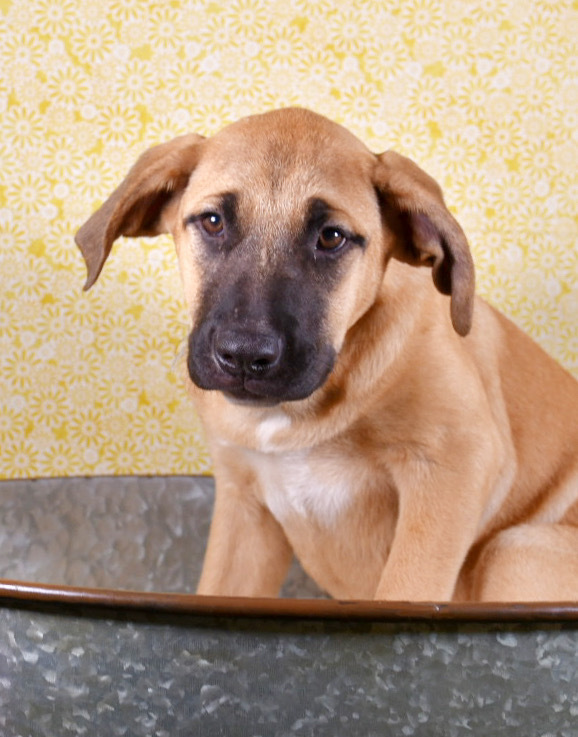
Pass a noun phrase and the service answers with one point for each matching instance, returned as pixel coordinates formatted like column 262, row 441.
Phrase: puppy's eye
column 330, row 239
column 212, row 223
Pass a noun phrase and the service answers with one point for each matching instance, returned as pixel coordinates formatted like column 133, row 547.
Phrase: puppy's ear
column 430, row 235
column 138, row 207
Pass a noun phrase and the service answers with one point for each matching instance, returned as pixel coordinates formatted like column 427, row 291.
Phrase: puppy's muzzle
column 264, row 351
column 247, row 354
column 256, row 363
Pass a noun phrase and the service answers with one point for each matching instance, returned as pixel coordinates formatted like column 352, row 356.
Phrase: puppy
column 364, row 410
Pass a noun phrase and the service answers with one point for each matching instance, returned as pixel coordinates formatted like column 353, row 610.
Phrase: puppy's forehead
column 283, row 155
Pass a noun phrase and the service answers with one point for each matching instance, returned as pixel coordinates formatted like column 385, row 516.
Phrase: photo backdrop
column 481, row 94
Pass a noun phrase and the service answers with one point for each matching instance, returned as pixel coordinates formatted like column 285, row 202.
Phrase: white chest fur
column 293, row 484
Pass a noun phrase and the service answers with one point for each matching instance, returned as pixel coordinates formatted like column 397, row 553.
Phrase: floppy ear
column 430, row 234
column 136, row 207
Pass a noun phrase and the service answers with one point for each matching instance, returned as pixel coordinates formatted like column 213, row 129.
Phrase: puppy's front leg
column 439, row 515
column 247, row 553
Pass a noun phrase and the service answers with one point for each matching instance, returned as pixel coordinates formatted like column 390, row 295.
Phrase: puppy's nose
column 247, row 353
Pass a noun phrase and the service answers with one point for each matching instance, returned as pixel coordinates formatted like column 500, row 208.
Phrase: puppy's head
column 284, row 224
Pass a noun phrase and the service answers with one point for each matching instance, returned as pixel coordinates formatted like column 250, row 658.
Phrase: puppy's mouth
column 242, row 388
column 244, row 396
column 260, row 392
column 257, row 370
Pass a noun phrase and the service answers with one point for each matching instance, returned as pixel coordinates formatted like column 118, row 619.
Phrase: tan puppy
column 405, row 440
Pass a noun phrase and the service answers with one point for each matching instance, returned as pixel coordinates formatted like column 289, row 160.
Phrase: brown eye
column 330, row 239
column 212, row 223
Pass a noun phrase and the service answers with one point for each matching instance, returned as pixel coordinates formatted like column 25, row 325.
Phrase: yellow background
column 482, row 94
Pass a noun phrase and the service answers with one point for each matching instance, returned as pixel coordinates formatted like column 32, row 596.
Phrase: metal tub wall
column 131, row 532
column 80, row 660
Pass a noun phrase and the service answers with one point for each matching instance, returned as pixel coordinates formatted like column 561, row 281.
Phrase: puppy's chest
column 297, row 486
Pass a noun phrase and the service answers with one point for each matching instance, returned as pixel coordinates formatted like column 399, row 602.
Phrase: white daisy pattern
column 482, row 94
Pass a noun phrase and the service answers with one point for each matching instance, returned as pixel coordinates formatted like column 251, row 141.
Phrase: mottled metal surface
column 89, row 676
column 81, row 671
column 138, row 533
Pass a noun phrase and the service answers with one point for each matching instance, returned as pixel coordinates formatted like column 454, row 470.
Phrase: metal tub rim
column 26, row 594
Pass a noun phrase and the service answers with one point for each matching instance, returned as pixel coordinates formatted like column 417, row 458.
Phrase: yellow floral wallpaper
column 482, row 93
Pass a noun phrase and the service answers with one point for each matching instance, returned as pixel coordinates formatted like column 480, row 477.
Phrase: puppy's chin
column 251, row 392
column 262, row 396
column 252, row 401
